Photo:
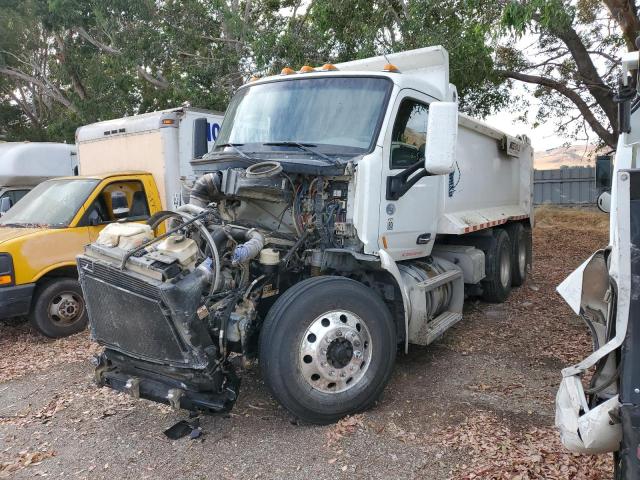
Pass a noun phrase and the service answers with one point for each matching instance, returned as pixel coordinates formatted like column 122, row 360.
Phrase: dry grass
column 572, row 218
column 25, row 351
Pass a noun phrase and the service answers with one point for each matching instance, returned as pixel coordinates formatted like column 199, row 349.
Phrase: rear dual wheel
column 496, row 285
column 520, row 237
column 327, row 348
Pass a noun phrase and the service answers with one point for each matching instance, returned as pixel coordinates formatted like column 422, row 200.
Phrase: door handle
column 423, row 239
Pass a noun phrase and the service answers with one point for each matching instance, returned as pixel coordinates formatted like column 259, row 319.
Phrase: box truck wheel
column 520, row 238
column 327, row 348
column 58, row 308
column 497, row 284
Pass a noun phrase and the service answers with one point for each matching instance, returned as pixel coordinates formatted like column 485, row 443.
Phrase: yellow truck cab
column 42, row 234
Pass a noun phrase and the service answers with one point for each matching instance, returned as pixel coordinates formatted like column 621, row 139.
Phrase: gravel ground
column 479, row 403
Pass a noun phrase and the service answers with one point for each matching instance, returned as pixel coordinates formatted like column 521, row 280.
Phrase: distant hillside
column 573, row 156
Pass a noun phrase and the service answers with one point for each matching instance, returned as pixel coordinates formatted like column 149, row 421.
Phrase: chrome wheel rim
column 66, row 307
column 505, row 269
column 335, row 352
column 522, row 260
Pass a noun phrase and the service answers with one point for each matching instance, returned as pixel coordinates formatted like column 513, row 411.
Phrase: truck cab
column 41, row 236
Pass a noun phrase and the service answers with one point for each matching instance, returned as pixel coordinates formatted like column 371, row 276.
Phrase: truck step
column 440, row 324
column 438, row 280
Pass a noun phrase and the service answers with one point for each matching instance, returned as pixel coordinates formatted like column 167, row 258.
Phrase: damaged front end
column 176, row 311
column 589, row 413
column 152, row 318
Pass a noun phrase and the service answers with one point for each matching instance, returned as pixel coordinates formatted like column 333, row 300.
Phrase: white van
column 23, row 165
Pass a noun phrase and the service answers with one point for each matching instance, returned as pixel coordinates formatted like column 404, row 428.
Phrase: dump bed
column 492, row 182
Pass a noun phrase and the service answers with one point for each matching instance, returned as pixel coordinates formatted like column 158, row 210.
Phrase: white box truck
column 344, row 211
column 162, row 143
column 23, row 165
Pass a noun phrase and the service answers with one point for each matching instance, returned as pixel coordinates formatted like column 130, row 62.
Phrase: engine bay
column 174, row 300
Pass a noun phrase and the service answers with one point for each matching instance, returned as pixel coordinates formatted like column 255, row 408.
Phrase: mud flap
column 583, row 430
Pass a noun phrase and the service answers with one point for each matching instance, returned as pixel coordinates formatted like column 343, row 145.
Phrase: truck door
column 408, row 224
column 120, row 200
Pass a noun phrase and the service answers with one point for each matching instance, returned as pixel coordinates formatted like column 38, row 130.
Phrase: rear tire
column 327, row 348
column 58, row 308
column 497, row 283
column 520, row 237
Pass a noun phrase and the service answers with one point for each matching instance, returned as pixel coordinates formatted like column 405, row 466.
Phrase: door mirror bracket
column 399, row 184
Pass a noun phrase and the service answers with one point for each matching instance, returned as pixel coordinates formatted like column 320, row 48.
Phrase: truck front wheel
column 58, row 308
column 327, row 348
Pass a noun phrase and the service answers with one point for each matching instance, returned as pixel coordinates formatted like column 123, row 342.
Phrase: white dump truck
column 162, row 143
column 344, row 212
column 23, row 165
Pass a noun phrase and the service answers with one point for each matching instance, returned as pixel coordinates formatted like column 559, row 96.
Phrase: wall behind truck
column 566, row 186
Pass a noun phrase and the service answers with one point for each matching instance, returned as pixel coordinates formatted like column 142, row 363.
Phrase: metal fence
column 565, row 186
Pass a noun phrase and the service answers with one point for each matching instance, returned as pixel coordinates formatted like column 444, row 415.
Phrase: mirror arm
column 399, row 184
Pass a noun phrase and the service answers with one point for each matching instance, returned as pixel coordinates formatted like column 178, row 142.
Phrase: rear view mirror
column 5, row 204
column 604, row 202
column 200, row 145
column 604, row 171
column 442, row 137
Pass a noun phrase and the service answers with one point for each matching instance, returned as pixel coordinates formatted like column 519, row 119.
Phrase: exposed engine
column 172, row 300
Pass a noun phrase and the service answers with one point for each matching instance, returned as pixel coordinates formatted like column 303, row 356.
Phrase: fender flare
column 389, row 264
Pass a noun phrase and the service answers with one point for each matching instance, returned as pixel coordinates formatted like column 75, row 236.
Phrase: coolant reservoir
column 183, row 249
column 124, row 235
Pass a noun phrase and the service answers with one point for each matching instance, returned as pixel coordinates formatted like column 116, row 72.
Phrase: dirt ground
column 478, row 404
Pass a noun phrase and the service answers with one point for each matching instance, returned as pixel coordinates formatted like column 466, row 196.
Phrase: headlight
column 6, row 270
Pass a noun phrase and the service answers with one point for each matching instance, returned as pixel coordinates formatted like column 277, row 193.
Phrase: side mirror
column 200, row 145
column 442, row 138
column 5, row 204
column 604, row 172
column 604, row 202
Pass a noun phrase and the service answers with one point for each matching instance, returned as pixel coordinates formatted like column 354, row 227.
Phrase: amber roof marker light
column 307, row 69
column 328, row 67
column 389, row 67
column 287, row 71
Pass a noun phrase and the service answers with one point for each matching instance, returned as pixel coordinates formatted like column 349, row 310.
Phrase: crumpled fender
column 591, row 432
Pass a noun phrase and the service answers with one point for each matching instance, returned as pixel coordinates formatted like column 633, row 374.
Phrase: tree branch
column 626, row 15
column 608, row 137
column 160, row 83
column 52, row 92
column 96, row 43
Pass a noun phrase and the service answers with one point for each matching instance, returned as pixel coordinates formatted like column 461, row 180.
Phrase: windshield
column 53, row 203
column 336, row 115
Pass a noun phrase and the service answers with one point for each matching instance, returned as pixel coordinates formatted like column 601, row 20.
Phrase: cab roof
column 424, row 69
column 102, row 176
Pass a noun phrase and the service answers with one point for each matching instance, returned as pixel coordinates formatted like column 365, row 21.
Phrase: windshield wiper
column 302, row 146
column 238, row 151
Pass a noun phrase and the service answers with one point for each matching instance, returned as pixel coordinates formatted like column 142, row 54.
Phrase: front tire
column 327, row 348
column 58, row 308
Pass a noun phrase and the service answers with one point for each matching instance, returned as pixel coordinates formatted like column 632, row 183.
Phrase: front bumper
column 16, row 301
column 209, row 392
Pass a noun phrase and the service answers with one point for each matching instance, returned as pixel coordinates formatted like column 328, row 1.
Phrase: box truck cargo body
column 162, row 143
